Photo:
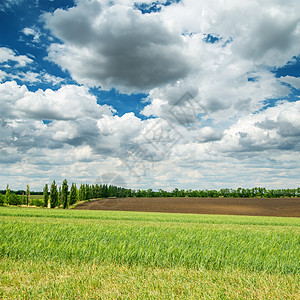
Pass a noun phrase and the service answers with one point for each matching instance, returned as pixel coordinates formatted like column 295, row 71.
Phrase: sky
column 193, row 94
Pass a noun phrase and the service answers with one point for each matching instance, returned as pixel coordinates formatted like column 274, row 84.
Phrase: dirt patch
column 280, row 207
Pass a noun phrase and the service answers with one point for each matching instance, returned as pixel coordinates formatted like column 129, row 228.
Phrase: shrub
column 14, row 199
column 37, row 202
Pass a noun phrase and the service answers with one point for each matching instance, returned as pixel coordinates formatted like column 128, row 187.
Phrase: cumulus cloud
column 208, row 134
column 76, row 120
column 67, row 103
column 73, row 113
column 122, row 48
column 206, row 67
column 265, row 32
column 75, row 133
column 83, row 154
column 221, row 94
column 273, row 39
column 117, row 46
column 117, row 133
column 276, row 128
column 230, row 77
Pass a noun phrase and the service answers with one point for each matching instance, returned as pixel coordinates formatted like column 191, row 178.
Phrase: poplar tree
column 28, row 195
column 64, row 194
column 7, row 195
column 73, row 194
column 59, row 196
column 53, row 195
column 46, row 195
column 82, row 192
column 87, row 192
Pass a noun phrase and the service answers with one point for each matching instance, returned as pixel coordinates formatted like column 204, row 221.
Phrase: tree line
column 61, row 196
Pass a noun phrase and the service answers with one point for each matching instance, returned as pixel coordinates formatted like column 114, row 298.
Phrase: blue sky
column 164, row 94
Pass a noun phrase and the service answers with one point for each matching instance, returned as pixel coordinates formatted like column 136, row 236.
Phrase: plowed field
column 281, row 207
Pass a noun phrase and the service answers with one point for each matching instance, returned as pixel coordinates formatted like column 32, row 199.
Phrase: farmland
column 281, row 207
column 68, row 254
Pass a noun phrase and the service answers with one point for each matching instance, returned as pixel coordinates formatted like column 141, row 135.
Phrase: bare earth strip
column 280, row 207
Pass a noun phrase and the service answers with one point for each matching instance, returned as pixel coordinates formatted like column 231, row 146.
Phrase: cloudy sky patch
column 165, row 94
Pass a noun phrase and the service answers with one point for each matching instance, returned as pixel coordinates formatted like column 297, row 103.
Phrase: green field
column 72, row 254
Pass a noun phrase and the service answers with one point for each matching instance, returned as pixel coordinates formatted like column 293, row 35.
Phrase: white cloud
column 221, row 94
column 208, row 134
column 117, row 46
column 2, row 75
column 292, row 81
column 67, row 103
column 34, row 32
column 265, row 32
column 51, row 79
column 7, row 4
column 105, row 51
column 276, row 128
column 117, row 133
column 83, row 149
column 224, row 134
column 33, row 77
column 29, row 76
column 14, row 73
column 83, row 153
column 7, row 54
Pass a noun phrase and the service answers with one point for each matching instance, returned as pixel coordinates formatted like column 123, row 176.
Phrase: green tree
column 46, row 195
column 64, row 194
column 175, row 192
column 53, row 195
column 2, row 199
column 28, row 195
column 105, row 193
column 87, row 192
column 73, row 194
column 7, row 195
column 59, row 196
column 14, row 199
column 149, row 193
column 81, row 192
column 181, row 193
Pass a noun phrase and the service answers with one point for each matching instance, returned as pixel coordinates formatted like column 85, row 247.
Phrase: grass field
column 36, row 197
column 130, row 255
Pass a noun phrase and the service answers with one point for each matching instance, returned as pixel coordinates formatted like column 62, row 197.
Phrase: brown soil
column 280, row 207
